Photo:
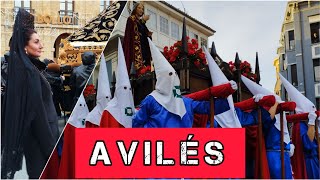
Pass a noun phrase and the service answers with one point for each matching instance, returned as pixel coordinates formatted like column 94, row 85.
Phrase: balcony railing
column 74, row 16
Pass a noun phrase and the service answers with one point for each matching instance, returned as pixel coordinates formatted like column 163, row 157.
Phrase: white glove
column 234, row 85
column 63, row 78
column 258, row 97
column 291, row 152
column 312, row 118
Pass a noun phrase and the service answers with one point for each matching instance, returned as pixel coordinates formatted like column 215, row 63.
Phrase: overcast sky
column 245, row 27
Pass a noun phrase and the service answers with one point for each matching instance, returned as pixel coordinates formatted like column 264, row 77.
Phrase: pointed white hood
column 228, row 119
column 103, row 94
column 304, row 105
column 255, row 89
column 79, row 113
column 121, row 107
column 167, row 92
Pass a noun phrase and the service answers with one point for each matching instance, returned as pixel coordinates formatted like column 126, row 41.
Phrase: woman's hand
column 150, row 34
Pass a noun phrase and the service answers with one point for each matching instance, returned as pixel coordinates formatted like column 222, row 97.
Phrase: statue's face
column 140, row 10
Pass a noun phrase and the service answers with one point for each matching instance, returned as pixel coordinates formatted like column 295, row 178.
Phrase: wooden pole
column 260, row 142
column 282, row 146
column 211, row 111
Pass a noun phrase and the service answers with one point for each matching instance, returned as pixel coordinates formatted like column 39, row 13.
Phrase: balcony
column 69, row 17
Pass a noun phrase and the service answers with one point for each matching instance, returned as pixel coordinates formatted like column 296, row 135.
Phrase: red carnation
column 193, row 41
column 172, row 59
column 202, row 55
column 232, row 68
column 191, row 51
column 148, row 68
column 197, row 63
column 142, row 71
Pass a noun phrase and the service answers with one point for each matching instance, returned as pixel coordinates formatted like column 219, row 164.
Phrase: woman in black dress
column 31, row 127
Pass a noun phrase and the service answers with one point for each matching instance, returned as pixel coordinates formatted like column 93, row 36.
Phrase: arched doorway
column 57, row 43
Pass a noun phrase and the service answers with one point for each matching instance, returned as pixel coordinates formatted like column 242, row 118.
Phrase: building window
column 204, row 42
column 316, row 68
column 283, row 60
column 175, row 30
column 193, row 36
column 164, row 25
column 24, row 4
column 315, row 31
column 152, row 23
column 103, row 4
column 67, row 12
column 66, row 7
column 291, row 40
column 294, row 77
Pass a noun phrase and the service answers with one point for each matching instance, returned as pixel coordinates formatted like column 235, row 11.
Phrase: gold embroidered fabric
column 99, row 28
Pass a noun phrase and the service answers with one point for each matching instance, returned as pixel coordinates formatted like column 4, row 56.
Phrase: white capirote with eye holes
column 167, row 92
column 121, row 107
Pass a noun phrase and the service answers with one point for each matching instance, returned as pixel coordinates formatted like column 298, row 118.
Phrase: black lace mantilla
column 26, row 21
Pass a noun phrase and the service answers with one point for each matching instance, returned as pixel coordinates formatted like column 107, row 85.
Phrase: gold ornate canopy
column 70, row 53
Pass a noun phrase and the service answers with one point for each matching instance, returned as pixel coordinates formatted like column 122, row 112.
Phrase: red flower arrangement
column 195, row 54
column 89, row 90
column 144, row 70
column 245, row 69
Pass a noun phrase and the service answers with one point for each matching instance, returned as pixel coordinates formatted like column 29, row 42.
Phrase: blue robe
column 272, row 140
column 310, row 153
column 154, row 115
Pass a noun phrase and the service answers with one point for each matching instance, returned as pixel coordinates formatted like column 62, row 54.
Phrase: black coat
column 36, row 149
column 40, row 131
column 30, row 119
column 81, row 74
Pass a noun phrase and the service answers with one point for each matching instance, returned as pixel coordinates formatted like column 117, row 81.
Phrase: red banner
column 160, row 153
